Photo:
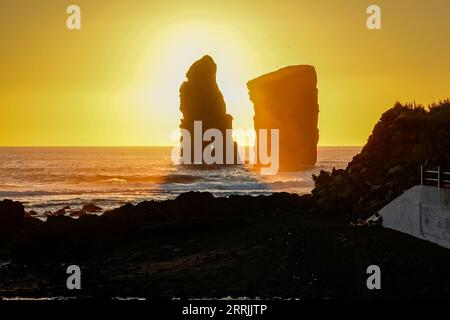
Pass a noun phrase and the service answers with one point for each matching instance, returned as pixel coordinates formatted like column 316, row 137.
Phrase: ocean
column 46, row 179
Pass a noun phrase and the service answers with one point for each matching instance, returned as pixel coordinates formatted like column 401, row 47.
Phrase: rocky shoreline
column 282, row 245
column 267, row 246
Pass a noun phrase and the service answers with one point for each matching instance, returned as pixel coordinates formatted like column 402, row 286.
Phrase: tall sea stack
column 201, row 100
column 286, row 99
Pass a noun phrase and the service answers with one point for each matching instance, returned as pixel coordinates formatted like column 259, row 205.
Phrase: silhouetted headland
column 405, row 137
column 286, row 99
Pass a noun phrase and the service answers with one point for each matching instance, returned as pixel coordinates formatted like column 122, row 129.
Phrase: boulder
column 11, row 217
column 78, row 213
column 59, row 221
column 91, row 208
column 59, row 212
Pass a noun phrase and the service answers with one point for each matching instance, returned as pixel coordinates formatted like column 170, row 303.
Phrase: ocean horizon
column 46, row 179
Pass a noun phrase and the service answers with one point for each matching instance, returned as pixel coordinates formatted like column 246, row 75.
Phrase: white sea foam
column 47, row 179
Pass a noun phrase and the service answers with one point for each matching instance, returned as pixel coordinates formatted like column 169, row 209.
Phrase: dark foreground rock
column 201, row 246
column 11, row 218
column 62, row 236
column 90, row 207
column 405, row 138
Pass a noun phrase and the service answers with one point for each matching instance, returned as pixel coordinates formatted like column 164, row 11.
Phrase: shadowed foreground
column 218, row 247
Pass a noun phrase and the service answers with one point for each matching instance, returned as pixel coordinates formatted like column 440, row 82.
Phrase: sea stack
column 286, row 99
column 201, row 100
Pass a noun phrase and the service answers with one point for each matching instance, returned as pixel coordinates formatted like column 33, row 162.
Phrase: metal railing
column 436, row 177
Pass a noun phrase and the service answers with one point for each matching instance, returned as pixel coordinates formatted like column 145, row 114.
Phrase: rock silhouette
column 286, row 99
column 198, row 243
column 11, row 218
column 405, row 137
column 201, row 100
column 90, row 207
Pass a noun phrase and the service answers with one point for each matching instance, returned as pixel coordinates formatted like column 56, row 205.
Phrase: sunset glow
column 116, row 81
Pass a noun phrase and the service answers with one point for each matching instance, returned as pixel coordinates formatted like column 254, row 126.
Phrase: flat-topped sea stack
column 286, row 99
column 201, row 100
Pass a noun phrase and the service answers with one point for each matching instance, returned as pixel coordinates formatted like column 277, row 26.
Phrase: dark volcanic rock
column 405, row 138
column 91, row 208
column 78, row 213
column 11, row 217
column 31, row 223
column 59, row 220
column 190, row 212
column 59, row 212
column 287, row 100
column 253, row 247
column 201, row 100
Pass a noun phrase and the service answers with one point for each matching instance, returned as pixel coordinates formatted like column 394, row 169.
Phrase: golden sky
column 116, row 81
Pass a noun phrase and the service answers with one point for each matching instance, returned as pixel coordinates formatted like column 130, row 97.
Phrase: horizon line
column 126, row 146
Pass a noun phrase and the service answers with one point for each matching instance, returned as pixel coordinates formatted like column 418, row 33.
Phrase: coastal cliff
column 405, row 137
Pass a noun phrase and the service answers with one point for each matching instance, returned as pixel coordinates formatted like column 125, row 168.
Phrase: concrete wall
column 423, row 212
